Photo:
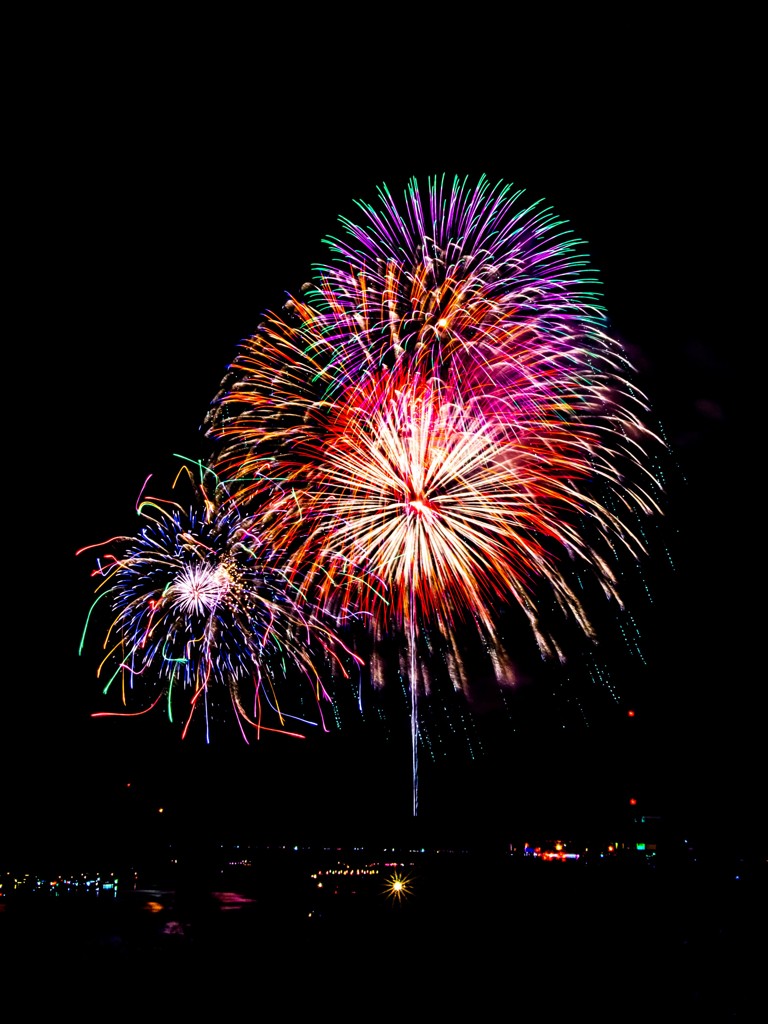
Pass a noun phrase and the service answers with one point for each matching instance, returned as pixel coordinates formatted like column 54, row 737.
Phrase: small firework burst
column 202, row 610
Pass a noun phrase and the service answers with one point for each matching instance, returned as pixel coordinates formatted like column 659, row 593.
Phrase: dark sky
column 169, row 220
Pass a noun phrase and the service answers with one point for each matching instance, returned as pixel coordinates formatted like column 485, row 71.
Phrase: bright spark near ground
column 398, row 886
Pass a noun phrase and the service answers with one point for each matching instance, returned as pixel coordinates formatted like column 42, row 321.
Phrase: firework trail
column 201, row 611
column 442, row 426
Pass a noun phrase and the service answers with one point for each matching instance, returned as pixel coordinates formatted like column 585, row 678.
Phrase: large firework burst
column 442, row 425
column 446, row 418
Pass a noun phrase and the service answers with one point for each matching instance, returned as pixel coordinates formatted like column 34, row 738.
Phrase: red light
column 632, row 801
column 630, row 713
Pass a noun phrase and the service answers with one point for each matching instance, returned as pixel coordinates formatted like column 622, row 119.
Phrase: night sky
column 166, row 222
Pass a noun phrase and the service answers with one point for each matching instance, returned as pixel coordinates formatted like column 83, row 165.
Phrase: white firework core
column 199, row 589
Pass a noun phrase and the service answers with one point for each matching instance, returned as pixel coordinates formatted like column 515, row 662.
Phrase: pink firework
column 441, row 425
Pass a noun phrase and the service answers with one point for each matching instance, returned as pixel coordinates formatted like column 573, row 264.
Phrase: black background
column 166, row 200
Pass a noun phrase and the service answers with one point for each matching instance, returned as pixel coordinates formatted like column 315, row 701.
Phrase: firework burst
column 201, row 610
column 442, row 426
column 446, row 423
